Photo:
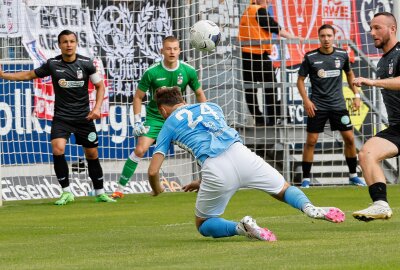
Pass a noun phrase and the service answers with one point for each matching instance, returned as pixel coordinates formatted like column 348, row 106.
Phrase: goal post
column 124, row 37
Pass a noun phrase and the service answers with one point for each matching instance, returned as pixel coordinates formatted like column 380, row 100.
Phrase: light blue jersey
column 200, row 129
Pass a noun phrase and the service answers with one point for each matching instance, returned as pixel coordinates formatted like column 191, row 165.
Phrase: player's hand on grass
column 157, row 192
column 139, row 129
column 192, row 186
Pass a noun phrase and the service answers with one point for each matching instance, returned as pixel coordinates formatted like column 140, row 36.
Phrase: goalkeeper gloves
column 139, row 129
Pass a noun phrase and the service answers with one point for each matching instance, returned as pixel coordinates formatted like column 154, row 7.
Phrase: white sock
column 67, row 189
column 306, row 205
column 120, row 188
column 306, row 179
column 351, row 175
column 99, row 191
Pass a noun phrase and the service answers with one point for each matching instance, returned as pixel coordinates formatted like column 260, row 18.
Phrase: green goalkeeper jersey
column 157, row 75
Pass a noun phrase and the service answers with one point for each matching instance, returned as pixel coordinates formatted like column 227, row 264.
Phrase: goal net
column 124, row 38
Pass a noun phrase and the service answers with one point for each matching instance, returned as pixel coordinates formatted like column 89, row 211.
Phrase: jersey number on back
column 204, row 109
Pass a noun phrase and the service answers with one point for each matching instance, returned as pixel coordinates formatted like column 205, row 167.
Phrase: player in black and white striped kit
column 324, row 66
column 70, row 73
column 385, row 144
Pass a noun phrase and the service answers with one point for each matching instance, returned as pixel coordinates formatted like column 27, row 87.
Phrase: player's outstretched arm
column 18, row 76
column 154, row 174
column 388, row 84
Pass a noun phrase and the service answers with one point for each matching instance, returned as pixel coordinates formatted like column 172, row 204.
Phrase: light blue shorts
column 223, row 175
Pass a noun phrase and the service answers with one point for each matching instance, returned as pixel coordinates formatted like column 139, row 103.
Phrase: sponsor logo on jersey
column 161, row 79
column 79, row 74
column 328, row 73
column 60, row 70
column 180, row 79
column 337, row 63
column 318, row 62
column 70, row 84
column 391, row 67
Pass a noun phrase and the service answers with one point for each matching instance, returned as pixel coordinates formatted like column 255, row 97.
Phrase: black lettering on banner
column 74, row 17
column 44, row 19
column 63, row 14
column 82, row 39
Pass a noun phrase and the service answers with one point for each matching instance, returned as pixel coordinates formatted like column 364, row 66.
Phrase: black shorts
column 84, row 131
column 339, row 120
column 392, row 134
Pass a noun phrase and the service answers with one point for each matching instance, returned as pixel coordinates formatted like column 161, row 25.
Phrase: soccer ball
column 204, row 35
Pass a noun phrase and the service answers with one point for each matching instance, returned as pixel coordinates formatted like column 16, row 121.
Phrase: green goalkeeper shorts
column 155, row 126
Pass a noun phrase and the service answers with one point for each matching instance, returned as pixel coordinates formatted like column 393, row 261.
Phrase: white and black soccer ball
column 205, row 35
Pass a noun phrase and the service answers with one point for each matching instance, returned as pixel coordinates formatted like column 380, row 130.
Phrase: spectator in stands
column 257, row 25
column 385, row 144
column 324, row 66
column 169, row 72
column 70, row 73
column 226, row 165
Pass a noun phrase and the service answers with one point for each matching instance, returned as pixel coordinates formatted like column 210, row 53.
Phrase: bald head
column 383, row 31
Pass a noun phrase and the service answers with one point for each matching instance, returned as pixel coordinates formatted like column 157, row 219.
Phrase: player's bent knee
column 140, row 151
column 311, row 143
column 210, row 227
column 362, row 155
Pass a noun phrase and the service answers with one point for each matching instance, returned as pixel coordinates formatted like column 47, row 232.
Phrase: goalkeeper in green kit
column 168, row 72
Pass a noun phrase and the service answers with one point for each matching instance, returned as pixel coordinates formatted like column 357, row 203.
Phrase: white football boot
column 248, row 227
column 377, row 210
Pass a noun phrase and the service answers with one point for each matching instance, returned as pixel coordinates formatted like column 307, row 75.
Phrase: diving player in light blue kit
column 226, row 165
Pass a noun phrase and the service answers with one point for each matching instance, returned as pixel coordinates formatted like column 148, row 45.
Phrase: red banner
column 302, row 18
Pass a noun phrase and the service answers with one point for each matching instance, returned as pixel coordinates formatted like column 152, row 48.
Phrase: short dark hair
column 326, row 26
column 169, row 96
column 66, row 32
column 170, row 39
column 387, row 14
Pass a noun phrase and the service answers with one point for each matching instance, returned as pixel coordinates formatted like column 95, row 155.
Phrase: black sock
column 377, row 192
column 306, row 166
column 352, row 164
column 95, row 173
column 61, row 169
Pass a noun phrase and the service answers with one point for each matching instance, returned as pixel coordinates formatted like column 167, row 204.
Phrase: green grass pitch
column 143, row 232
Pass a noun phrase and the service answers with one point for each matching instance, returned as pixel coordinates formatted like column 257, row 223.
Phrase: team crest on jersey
column 337, row 63
column 180, row 79
column 79, row 74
